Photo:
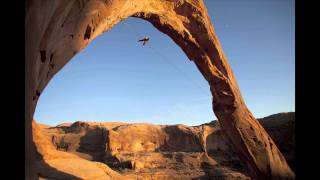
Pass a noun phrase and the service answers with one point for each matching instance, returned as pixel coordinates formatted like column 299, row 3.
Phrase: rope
column 185, row 75
column 165, row 59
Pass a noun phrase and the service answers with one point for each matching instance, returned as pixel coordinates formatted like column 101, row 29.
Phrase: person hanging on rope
column 144, row 40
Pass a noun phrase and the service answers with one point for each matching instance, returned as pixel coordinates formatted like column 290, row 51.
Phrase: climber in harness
column 144, row 40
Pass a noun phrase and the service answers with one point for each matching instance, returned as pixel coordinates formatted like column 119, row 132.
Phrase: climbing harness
column 144, row 40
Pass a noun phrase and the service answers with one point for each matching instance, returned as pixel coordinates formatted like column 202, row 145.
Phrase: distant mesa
column 141, row 151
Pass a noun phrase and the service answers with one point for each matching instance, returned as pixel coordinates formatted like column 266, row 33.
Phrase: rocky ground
column 147, row 151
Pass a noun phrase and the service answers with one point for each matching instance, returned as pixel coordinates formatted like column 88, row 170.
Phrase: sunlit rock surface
column 56, row 30
column 148, row 151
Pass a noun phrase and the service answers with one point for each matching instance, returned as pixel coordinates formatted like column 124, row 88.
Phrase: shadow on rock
column 219, row 148
column 94, row 143
column 46, row 171
column 180, row 139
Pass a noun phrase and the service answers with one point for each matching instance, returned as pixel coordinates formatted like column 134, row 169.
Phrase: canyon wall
column 57, row 30
column 141, row 151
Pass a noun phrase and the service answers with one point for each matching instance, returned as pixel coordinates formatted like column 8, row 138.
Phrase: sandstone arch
column 57, row 30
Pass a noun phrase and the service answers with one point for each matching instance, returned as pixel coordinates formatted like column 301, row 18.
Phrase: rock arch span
column 57, row 30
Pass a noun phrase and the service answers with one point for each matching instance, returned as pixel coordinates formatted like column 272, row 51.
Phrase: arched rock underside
column 57, row 30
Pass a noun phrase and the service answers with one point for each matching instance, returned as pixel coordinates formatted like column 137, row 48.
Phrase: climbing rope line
column 166, row 60
column 178, row 69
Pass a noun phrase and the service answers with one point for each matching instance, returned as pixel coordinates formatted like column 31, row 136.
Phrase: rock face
column 283, row 133
column 53, row 164
column 57, row 30
column 147, row 151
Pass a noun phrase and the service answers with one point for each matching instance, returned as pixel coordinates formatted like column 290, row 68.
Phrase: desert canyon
column 55, row 31
column 115, row 150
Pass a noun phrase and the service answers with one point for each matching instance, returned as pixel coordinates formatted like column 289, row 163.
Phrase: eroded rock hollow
column 57, row 30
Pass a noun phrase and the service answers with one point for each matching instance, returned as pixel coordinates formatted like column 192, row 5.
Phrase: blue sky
column 116, row 79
